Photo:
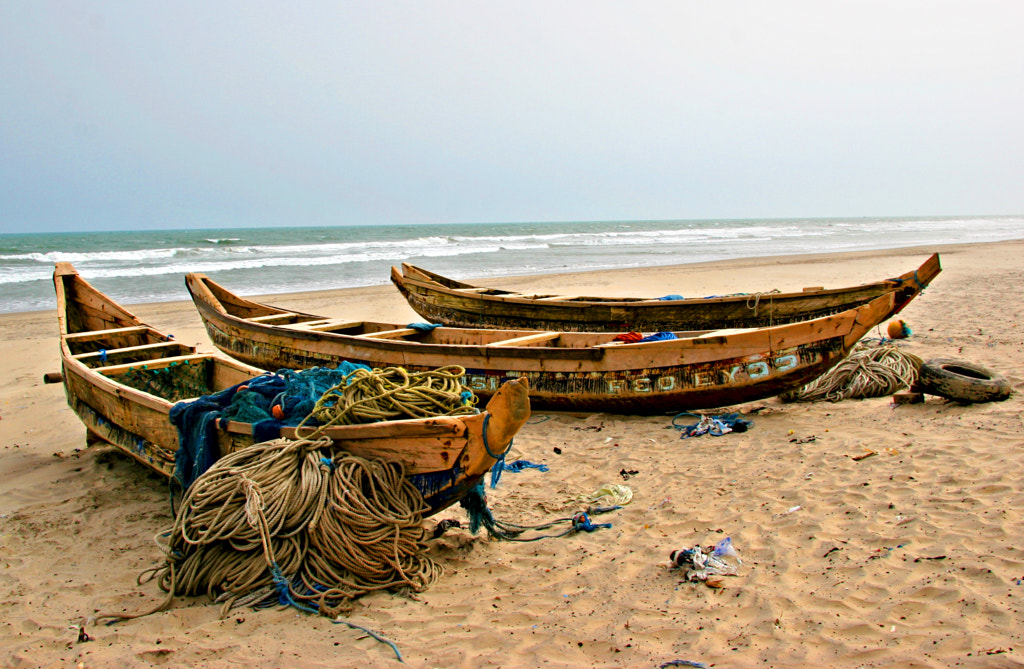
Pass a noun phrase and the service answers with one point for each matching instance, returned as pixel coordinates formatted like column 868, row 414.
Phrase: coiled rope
column 294, row 522
column 367, row 396
column 869, row 371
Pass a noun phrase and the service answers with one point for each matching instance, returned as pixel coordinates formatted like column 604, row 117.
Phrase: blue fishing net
column 253, row 401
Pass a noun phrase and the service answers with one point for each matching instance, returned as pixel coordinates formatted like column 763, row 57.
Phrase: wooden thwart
column 526, row 339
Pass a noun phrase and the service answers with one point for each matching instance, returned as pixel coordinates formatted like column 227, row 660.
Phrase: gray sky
column 143, row 114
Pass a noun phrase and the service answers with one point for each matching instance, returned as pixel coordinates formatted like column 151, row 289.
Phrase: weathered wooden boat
column 566, row 370
column 454, row 303
column 112, row 369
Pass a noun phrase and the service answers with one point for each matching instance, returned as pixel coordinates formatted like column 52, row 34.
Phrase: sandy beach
column 911, row 557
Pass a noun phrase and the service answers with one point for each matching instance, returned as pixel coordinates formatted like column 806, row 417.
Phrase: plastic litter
column 716, row 426
column 703, row 563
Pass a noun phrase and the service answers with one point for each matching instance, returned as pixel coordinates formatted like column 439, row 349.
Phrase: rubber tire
column 962, row 381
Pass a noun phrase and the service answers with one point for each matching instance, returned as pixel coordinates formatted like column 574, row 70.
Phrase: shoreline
column 908, row 557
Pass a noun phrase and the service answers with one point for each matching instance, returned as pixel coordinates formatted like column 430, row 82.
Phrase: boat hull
column 442, row 300
column 697, row 371
column 443, row 457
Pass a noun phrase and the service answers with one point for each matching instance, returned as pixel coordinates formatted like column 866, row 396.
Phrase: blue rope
column 284, row 596
column 499, row 465
column 103, row 355
column 581, row 522
column 517, row 466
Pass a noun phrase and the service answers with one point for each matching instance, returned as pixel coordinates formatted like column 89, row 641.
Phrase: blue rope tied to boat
column 716, row 426
column 423, row 327
column 103, row 355
column 499, row 465
column 516, row 466
column 916, row 278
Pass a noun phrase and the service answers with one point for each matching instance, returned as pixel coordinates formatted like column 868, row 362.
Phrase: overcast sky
column 142, row 114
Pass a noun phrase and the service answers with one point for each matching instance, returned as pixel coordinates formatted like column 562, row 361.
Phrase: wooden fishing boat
column 122, row 377
column 566, row 370
column 450, row 302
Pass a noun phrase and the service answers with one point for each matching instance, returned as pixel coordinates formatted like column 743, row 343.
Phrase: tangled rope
column 367, row 396
column 337, row 526
column 869, row 371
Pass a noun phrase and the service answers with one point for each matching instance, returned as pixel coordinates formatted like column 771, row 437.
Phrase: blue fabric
column 672, row 297
column 658, row 336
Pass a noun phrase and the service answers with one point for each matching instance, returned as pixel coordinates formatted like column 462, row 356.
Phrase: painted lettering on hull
column 653, row 382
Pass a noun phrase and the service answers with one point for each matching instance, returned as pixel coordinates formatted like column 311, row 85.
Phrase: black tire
column 962, row 381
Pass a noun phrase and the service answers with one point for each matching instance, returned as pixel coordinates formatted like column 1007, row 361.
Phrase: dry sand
column 913, row 557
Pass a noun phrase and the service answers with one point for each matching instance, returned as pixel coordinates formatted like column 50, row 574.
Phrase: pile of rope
column 869, row 371
column 368, row 396
column 290, row 522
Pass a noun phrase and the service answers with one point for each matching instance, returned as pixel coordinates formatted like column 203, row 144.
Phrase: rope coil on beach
column 294, row 522
column 869, row 371
column 335, row 526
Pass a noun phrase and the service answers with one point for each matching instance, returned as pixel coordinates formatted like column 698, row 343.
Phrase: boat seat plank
column 100, row 334
column 388, row 334
column 722, row 333
column 269, row 318
column 320, row 326
column 526, row 339
column 471, row 290
column 85, row 357
column 159, row 363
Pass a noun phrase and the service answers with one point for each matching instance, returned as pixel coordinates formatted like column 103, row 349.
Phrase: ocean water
column 149, row 266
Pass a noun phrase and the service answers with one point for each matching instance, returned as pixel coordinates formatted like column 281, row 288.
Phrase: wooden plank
column 388, row 334
column 85, row 357
column 269, row 318
column 327, row 324
column 153, row 364
column 100, row 334
column 526, row 339
column 722, row 333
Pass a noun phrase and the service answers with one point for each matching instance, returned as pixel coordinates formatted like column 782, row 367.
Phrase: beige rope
column 366, row 396
column 342, row 528
column 869, row 371
column 338, row 524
